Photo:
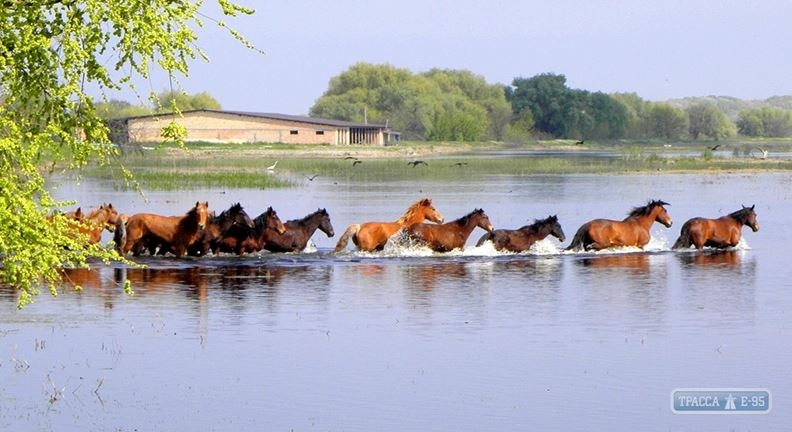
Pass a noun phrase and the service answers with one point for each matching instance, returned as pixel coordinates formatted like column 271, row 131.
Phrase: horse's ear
column 752, row 207
column 426, row 202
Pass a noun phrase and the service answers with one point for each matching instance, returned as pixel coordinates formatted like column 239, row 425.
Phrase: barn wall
column 221, row 127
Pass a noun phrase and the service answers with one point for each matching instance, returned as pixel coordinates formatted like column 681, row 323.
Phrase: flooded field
column 409, row 340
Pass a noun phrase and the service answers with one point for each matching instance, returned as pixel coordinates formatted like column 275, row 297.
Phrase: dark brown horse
column 451, row 235
column 241, row 239
column 632, row 231
column 372, row 236
column 722, row 232
column 174, row 232
column 299, row 231
column 218, row 227
column 523, row 238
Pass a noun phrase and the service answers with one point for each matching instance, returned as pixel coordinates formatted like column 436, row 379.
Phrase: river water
column 406, row 340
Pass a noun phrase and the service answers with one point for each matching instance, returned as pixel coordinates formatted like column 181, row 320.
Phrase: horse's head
column 429, row 212
column 556, row 230
column 660, row 213
column 202, row 213
column 109, row 216
column 482, row 220
column 272, row 221
column 324, row 222
column 749, row 218
column 236, row 215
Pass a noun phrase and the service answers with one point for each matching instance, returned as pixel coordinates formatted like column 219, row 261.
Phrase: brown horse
column 299, row 231
column 632, row 231
column 523, row 238
column 174, row 232
column 97, row 220
column 240, row 239
column 217, row 227
column 372, row 236
column 449, row 236
column 722, row 232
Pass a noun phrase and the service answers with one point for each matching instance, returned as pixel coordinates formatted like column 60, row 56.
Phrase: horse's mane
column 258, row 222
column 308, row 217
column 539, row 223
column 424, row 202
column 647, row 209
column 236, row 208
column 742, row 214
column 464, row 219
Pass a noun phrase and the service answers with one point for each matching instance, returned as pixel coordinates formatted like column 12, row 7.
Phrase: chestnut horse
column 523, row 238
column 632, row 231
column 174, row 232
column 241, row 239
column 299, row 231
column 97, row 220
column 451, row 235
column 217, row 227
column 372, row 236
column 722, row 232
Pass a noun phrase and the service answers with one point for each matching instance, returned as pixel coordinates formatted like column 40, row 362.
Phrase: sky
column 659, row 50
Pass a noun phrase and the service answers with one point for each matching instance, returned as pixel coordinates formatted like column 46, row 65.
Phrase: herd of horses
column 199, row 231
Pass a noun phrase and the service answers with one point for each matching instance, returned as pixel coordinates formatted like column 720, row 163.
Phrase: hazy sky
column 657, row 49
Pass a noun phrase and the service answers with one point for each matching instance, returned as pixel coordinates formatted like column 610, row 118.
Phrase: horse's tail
column 351, row 231
column 579, row 240
column 685, row 239
column 484, row 238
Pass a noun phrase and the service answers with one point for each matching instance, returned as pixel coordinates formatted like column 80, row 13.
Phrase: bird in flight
column 715, row 147
column 311, row 178
column 356, row 161
column 415, row 163
column 272, row 167
column 460, row 164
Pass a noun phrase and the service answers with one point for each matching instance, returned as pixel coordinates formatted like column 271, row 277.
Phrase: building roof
column 275, row 116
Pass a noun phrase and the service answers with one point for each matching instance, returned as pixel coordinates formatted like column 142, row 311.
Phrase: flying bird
column 357, row 161
column 764, row 153
column 272, row 167
column 459, row 164
column 311, row 178
column 415, row 163
column 715, row 147
column 581, row 142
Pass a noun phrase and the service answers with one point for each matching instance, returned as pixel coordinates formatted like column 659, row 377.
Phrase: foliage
column 50, row 52
column 666, row 121
column 568, row 113
column 707, row 120
column 440, row 105
column 169, row 98
column 765, row 122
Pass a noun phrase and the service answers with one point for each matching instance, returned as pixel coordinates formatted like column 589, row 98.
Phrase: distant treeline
column 457, row 105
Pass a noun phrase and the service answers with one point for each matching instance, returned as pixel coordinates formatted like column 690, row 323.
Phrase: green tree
column 50, row 52
column 765, row 122
column 166, row 100
column 666, row 121
column 115, row 108
column 707, row 120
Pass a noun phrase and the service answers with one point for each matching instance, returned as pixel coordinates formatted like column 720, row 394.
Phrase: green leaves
column 50, row 52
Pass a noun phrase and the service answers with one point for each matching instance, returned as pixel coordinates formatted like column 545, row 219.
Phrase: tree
column 50, row 52
column 706, row 119
column 437, row 105
column 666, row 121
column 765, row 122
column 166, row 100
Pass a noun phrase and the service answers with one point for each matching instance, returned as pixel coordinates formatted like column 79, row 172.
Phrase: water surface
column 406, row 340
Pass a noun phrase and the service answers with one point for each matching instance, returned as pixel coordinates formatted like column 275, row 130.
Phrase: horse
column 720, row 233
column 174, row 232
column 299, row 231
column 523, row 238
column 451, row 235
column 217, row 227
column 600, row 234
column 241, row 239
column 372, row 236
column 97, row 220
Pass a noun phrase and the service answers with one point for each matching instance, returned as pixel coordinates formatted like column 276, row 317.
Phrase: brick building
column 249, row 127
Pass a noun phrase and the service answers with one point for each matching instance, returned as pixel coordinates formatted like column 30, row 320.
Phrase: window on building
column 293, row 132
column 320, row 132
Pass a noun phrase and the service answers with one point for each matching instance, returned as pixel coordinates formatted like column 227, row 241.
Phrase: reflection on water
column 471, row 341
